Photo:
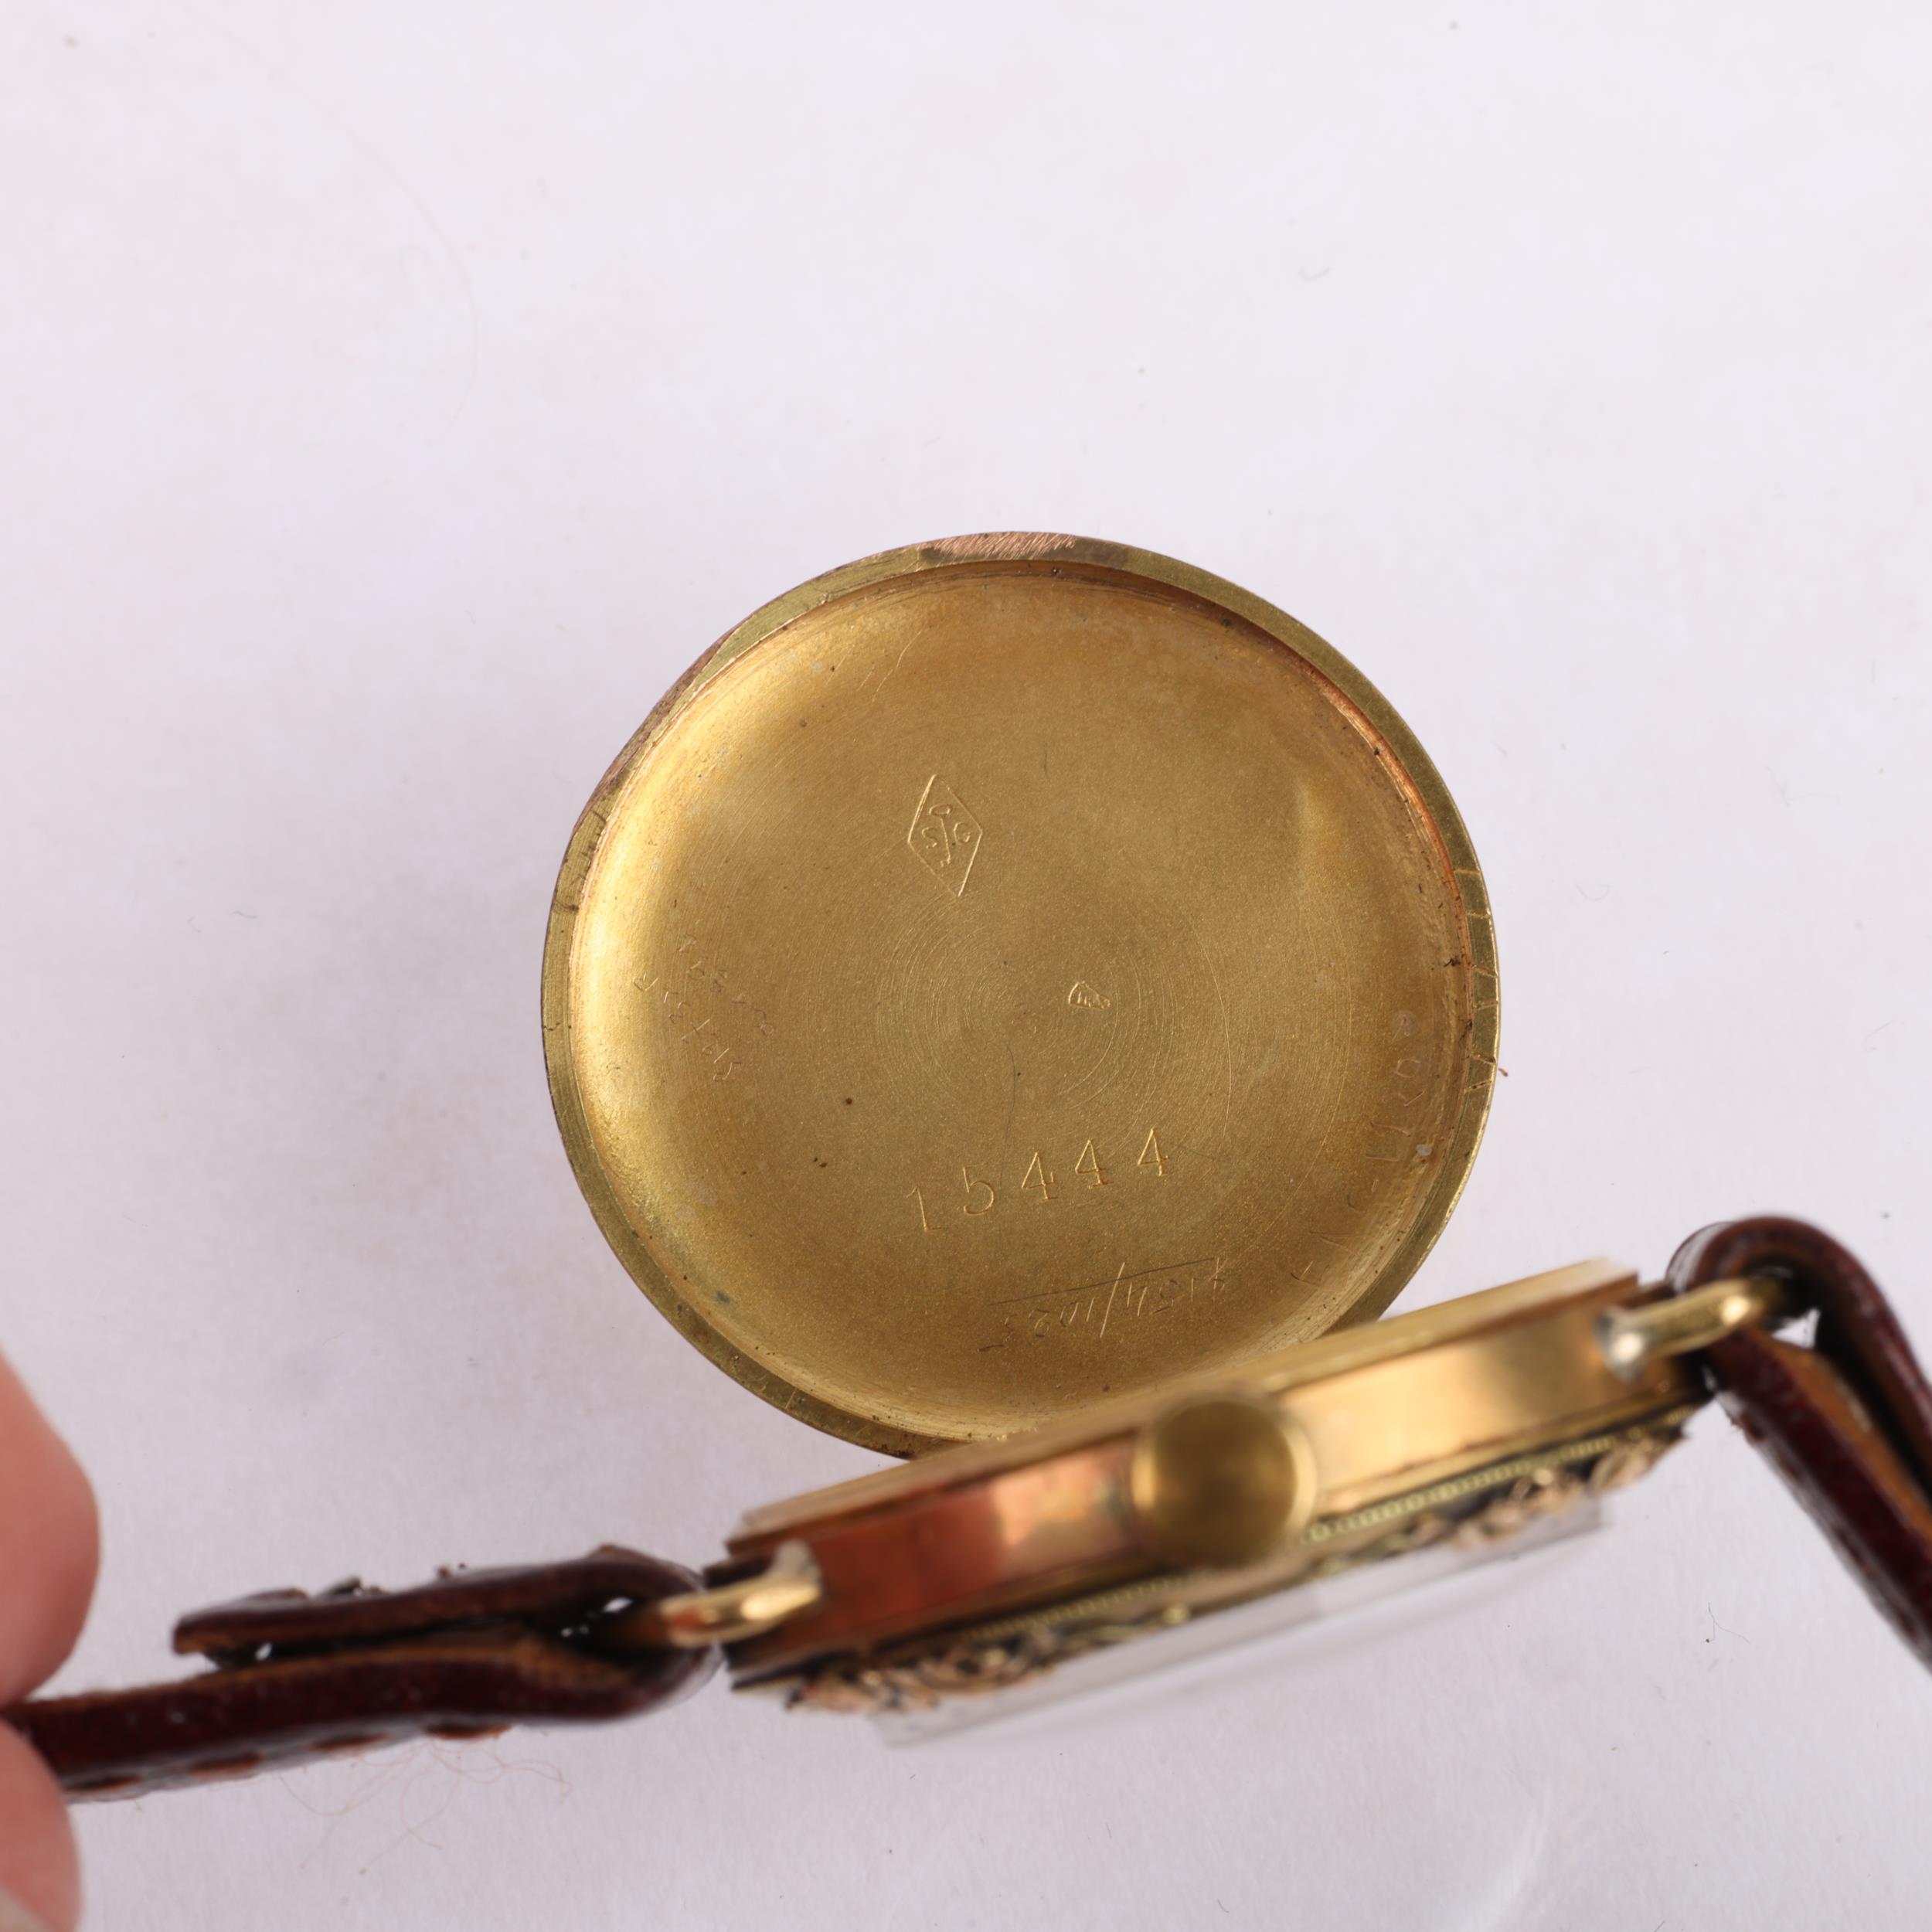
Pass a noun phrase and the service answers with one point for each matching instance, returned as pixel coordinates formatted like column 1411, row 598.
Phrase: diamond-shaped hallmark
column 944, row 837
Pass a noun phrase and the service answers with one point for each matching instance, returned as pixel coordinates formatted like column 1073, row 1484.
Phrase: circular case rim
column 1429, row 788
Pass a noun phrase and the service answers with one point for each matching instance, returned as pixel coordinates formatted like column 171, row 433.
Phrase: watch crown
column 1220, row 1482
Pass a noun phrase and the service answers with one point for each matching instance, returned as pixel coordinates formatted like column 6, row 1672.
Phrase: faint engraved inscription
column 944, row 837
column 1082, row 994
column 1395, row 1158
column 708, row 1014
column 1129, row 1297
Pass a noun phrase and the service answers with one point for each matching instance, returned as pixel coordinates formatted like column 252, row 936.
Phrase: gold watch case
column 1007, row 974
column 1466, row 1422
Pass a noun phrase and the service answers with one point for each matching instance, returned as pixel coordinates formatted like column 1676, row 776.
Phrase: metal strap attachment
column 1632, row 1338
column 729, row 1613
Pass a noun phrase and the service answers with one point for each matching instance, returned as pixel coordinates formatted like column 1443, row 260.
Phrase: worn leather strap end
column 299, row 1677
column 1848, row 1421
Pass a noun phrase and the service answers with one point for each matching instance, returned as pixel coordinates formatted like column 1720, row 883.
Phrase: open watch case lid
column 1008, row 973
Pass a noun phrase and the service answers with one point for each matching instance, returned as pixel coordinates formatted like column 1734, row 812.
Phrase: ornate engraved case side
column 1464, row 1423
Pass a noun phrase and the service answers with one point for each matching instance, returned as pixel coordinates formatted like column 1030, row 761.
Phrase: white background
column 395, row 396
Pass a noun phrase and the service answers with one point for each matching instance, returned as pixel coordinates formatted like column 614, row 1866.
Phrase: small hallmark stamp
column 944, row 836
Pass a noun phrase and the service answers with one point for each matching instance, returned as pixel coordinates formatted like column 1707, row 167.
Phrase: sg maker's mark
column 944, row 836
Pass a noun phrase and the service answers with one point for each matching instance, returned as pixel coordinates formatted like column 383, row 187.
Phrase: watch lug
column 727, row 1613
column 1632, row 1338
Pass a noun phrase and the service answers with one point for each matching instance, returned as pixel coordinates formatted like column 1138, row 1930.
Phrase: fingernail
column 15, row 1916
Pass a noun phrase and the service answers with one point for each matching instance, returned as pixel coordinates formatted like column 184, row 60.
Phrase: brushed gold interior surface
column 1012, row 973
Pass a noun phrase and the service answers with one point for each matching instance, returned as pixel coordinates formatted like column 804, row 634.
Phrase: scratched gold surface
column 1011, row 973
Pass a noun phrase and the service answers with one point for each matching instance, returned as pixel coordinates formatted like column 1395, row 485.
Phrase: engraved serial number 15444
column 1039, row 1184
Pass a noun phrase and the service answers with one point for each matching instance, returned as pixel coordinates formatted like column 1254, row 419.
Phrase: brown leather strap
column 297, row 1677
column 1848, row 1421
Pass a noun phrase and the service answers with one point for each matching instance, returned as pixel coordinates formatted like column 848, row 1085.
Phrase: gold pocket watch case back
column 1006, row 974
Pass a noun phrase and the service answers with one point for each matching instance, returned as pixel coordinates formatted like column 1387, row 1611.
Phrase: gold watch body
column 1470, row 1419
